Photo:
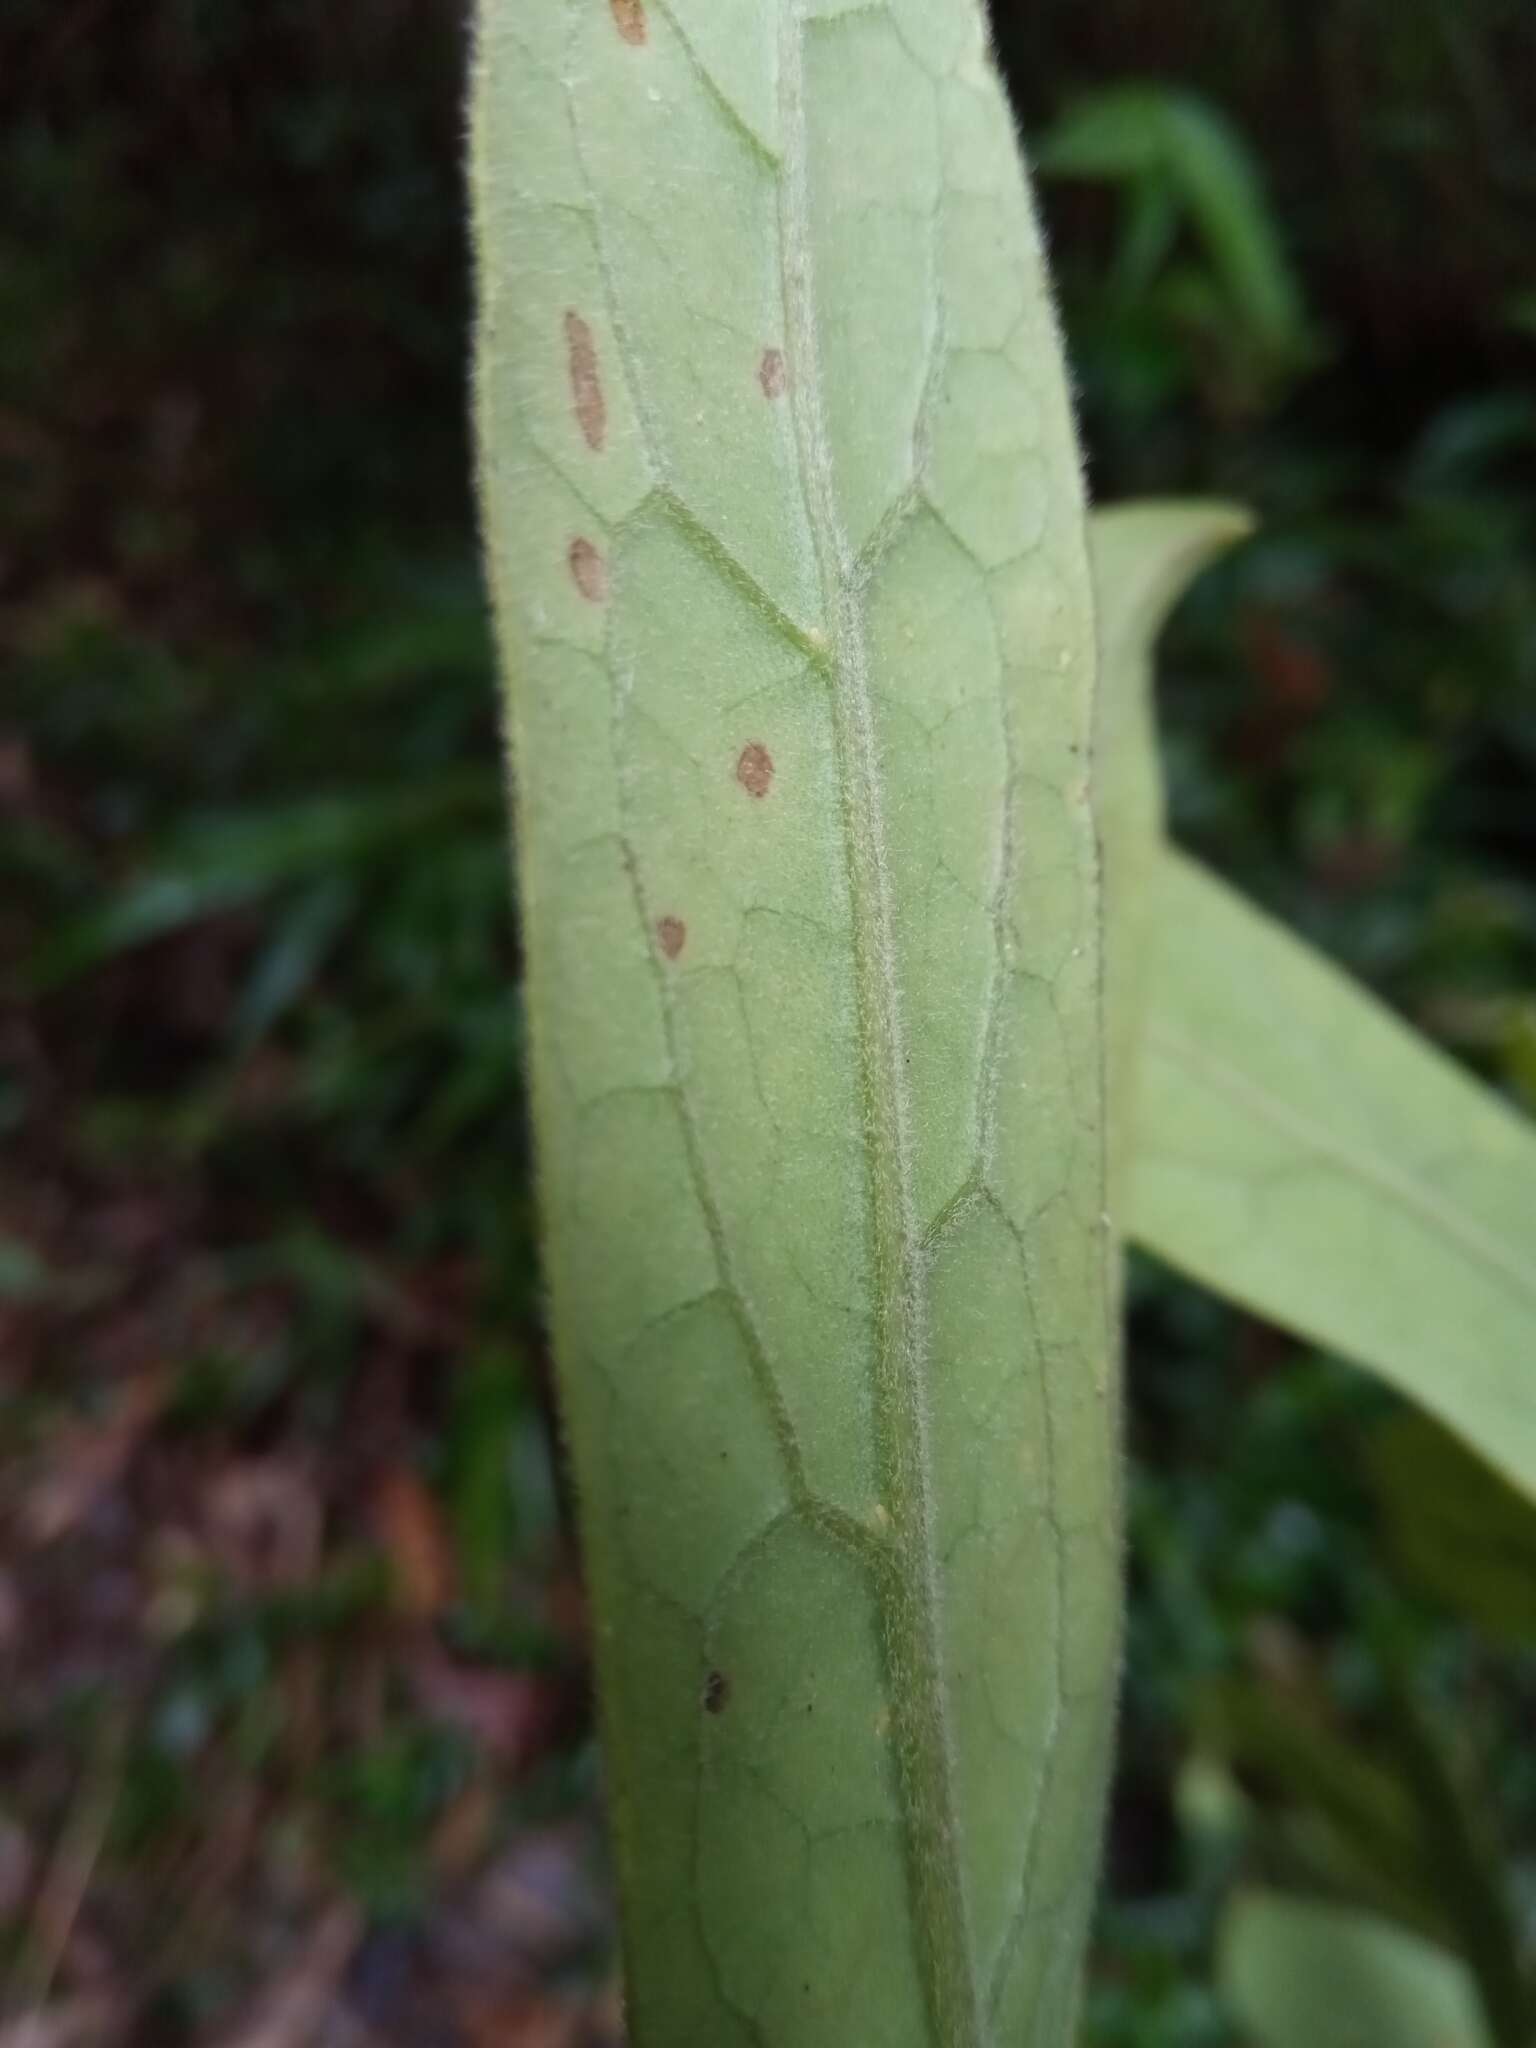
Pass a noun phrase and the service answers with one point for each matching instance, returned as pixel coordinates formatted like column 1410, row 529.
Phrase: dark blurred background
column 294, row 1737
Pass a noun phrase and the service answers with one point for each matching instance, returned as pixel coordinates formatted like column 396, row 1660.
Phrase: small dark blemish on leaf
column 773, row 373
column 586, row 386
column 589, row 571
column 754, row 769
column 629, row 19
column 717, row 1693
column 672, row 935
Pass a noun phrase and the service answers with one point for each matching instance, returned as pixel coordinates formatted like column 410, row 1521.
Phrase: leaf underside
column 1278, row 1135
column 1301, row 1151
column 1145, row 555
column 786, row 536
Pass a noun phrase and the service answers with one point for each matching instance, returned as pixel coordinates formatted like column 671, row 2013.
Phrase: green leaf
column 1405, row 1830
column 1174, row 142
column 785, row 530
column 489, row 1404
column 1349, row 1819
column 1300, row 1975
column 1276, row 1133
column 222, row 861
column 1461, row 1835
column 1302, row 1152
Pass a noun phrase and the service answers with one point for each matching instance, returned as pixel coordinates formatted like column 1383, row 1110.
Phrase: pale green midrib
column 907, row 1589
column 1413, row 1197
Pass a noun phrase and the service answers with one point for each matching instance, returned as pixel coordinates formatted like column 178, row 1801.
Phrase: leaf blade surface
column 1276, row 1134
column 1301, row 1151
column 786, row 534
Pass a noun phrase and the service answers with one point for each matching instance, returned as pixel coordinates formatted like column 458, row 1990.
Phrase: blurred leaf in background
column 1308, row 1976
column 1198, row 276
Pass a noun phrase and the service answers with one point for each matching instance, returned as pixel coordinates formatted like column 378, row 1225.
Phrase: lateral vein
column 1412, row 1196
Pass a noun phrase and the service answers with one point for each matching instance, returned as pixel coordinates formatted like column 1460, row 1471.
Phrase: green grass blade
column 786, row 535
column 228, row 859
column 1137, row 133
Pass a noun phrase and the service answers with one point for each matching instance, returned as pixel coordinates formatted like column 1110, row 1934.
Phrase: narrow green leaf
column 1458, row 1821
column 219, row 862
column 1348, row 1819
column 1300, row 1151
column 1147, row 133
column 1299, row 1975
column 1404, row 1830
column 786, row 535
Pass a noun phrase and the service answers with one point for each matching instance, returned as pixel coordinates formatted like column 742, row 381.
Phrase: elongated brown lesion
column 589, row 569
column 629, row 20
column 586, row 384
column 754, row 769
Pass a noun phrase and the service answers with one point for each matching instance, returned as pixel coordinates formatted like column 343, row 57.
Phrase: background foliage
column 290, row 1630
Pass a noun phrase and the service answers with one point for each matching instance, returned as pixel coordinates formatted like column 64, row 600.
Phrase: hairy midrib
column 907, row 1587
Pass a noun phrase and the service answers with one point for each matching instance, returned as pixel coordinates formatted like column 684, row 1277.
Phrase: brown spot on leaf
column 773, row 373
column 589, row 571
column 586, row 385
column 629, row 19
column 754, row 770
column 717, row 1693
column 672, row 935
